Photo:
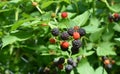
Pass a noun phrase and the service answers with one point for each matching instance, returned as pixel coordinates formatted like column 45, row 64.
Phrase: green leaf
column 89, row 53
column 116, row 27
column 96, row 35
column 80, row 20
column 105, row 48
column 84, row 67
column 9, row 40
column 19, row 23
column 46, row 4
column 100, row 70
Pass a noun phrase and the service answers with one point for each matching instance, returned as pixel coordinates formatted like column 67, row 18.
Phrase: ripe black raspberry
column 77, row 44
column 104, row 58
column 64, row 36
column 115, row 19
column 61, row 60
column 70, row 61
column 74, row 64
column 70, row 31
column 74, row 50
column 55, row 31
column 68, row 68
column 81, row 31
column 79, row 58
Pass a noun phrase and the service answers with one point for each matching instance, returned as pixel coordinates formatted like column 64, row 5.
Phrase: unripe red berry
column 34, row 3
column 76, row 35
column 65, row 44
column 52, row 40
column 60, row 66
column 116, row 15
column 107, row 61
column 64, row 14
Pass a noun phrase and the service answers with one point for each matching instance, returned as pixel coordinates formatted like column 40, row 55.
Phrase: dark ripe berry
column 79, row 58
column 110, row 17
column 55, row 62
column 60, row 66
column 64, row 46
column 104, row 58
column 74, row 50
column 81, row 31
column 74, row 64
column 109, row 66
column 70, row 31
column 116, row 19
column 47, row 70
column 61, row 60
column 68, row 68
column 76, row 35
column 70, row 61
column 55, row 31
column 64, row 36
column 76, row 44
column 52, row 40
column 64, row 14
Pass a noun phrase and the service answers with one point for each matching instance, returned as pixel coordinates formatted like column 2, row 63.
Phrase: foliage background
column 24, row 38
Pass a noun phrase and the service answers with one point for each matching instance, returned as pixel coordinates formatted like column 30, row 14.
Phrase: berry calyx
column 64, row 46
column 64, row 14
column 34, row 3
column 55, row 31
column 76, row 28
column 76, row 35
column 52, row 40
column 53, row 15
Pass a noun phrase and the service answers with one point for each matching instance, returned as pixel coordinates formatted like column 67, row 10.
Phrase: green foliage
column 25, row 30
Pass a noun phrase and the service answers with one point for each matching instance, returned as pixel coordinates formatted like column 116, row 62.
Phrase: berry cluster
column 114, row 17
column 59, row 63
column 71, row 64
column 107, row 62
column 74, row 33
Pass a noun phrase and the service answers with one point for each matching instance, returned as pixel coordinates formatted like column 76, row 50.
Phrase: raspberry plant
column 59, row 36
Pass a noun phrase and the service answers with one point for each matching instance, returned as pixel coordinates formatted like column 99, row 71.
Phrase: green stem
column 16, row 14
column 94, row 7
column 39, row 9
column 107, row 4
